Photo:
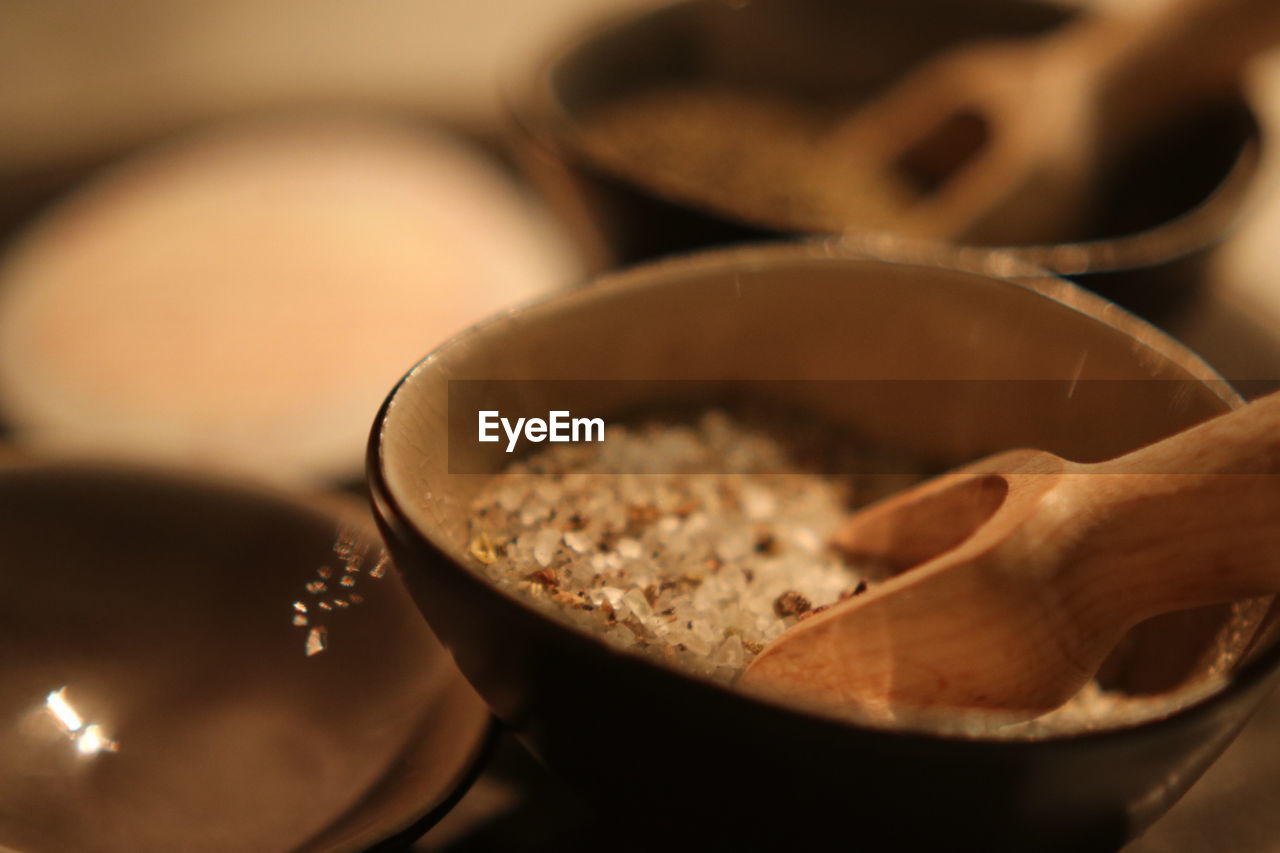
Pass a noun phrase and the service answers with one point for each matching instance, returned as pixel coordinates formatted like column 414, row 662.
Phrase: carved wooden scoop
column 1029, row 568
column 1001, row 142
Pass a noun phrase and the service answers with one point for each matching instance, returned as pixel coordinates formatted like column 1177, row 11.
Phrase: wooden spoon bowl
column 1004, row 142
column 1029, row 569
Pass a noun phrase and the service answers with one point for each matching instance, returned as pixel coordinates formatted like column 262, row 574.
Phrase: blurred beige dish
column 243, row 299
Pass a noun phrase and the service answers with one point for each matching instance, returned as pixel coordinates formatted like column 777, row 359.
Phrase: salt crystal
column 544, row 546
column 704, row 597
column 758, row 502
column 578, row 542
column 524, row 544
column 807, row 540
column 630, row 548
column 614, row 516
column 636, row 602
column 725, row 674
column 697, row 645
column 703, row 631
column 734, row 545
column 535, row 512
column 549, row 491
column 696, row 523
column 729, row 653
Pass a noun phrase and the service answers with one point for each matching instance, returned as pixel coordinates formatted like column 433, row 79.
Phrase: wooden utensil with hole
column 1029, row 568
column 1002, row 142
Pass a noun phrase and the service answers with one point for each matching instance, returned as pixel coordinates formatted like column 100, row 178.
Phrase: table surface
column 164, row 65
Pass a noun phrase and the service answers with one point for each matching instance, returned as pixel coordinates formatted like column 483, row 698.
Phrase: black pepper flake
column 814, row 612
column 766, row 543
column 791, row 603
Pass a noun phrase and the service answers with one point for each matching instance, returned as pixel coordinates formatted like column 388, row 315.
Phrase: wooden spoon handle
column 1191, row 520
column 1149, row 70
column 1181, row 40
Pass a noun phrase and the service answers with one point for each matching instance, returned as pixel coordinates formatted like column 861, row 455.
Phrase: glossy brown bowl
column 1145, row 244
column 174, row 675
column 995, row 363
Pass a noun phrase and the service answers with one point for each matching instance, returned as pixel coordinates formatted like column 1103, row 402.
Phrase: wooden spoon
column 1001, row 142
column 1030, row 568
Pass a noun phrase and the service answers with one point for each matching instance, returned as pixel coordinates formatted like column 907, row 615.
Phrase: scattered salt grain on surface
column 317, row 640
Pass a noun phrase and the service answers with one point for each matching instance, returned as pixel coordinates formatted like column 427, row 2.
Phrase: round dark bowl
column 1158, row 214
column 172, row 678
column 898, row 351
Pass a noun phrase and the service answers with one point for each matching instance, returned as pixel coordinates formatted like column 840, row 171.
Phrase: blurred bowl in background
column 692, row 125
column 170, row 308
column 175, row 676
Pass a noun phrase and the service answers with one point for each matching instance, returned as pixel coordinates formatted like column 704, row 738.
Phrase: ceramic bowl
column 951, row 364
column 198, row 665
column 1157, row 217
